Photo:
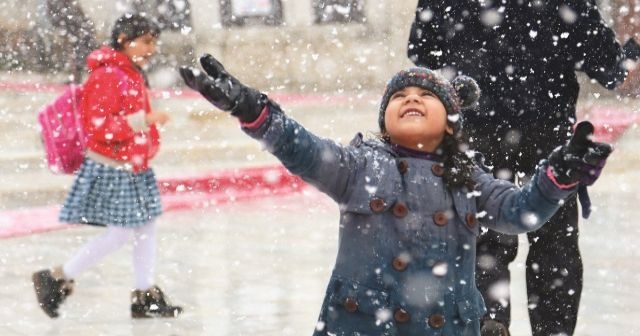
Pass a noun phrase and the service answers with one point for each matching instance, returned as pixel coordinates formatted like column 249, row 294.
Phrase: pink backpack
column 61, row 130
column 62, row 135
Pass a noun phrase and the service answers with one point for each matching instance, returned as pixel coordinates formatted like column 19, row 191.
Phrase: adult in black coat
column 524, row 55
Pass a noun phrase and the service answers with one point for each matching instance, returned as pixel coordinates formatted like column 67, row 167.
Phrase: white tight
column 144, row 253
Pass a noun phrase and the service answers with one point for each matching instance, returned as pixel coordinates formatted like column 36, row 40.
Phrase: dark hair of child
column 133, row 26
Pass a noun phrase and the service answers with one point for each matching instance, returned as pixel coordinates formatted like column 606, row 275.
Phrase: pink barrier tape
column 187, row 93
column 611, row 122
column 228, row 186
column 31, row 87
column 23, row 222
column 191, row 192
column 279, row 97
column 178, row 193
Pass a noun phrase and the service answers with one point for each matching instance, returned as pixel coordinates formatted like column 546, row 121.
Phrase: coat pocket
column 354, row 309
column 353, row 297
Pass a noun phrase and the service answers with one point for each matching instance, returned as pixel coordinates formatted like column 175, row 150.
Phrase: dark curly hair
column 132, row 26
column 458, row 166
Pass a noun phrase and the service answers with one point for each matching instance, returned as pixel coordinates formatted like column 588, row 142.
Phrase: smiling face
column 416, row 118
column 140, row 49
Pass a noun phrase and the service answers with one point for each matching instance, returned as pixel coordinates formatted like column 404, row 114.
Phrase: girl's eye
column 398, row 95
column 427, row 94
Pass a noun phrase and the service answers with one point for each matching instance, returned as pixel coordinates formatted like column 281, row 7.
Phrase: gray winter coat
column 406, row 259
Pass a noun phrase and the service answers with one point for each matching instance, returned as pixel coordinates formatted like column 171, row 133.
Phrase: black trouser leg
column 494, row 253
column 554, row 274
column 519, row 149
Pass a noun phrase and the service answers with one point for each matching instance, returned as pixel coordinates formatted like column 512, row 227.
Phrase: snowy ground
column 260, row 267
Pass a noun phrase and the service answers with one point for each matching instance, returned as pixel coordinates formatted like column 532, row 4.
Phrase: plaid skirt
column 104, row 195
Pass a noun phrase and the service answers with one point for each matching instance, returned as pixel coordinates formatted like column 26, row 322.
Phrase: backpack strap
column 76, row 96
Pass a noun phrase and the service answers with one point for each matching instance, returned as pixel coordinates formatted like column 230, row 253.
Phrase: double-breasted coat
column 406, row 257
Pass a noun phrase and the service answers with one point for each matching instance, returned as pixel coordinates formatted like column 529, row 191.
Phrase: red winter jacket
column 114, row 90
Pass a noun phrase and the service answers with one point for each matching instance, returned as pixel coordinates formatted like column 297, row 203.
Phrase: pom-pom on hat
column 461, row 93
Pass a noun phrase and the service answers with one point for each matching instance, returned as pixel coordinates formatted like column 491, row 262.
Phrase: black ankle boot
column 152, row 303
column 51, row 292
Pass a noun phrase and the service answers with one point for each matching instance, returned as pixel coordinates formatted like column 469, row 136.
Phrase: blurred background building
column 301, row 45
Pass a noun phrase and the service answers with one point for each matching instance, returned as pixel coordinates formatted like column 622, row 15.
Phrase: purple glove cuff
column 591, row 173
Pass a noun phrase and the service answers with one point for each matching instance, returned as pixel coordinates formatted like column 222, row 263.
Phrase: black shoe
column 152, row 303
column 493, row 328
column 51, row 292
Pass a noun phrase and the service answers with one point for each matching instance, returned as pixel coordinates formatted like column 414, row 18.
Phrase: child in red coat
column 115, row 187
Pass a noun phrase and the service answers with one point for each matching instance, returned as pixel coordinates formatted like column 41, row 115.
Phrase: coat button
column 401, row 316
column 437, row 169
column 471, row 220
column 440, row 218
column 436, row 321
column 350, row 305
column 399, row 264
column 403, row 166
column 400, row 210
column 377, row 204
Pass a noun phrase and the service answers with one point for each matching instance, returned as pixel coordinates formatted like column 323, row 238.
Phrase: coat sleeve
column 104, row 112
column 508, row 209
column 321, row 162
column 594, row 45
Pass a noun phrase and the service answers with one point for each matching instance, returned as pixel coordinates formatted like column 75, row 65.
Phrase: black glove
column 580, row 160
column 223, row 90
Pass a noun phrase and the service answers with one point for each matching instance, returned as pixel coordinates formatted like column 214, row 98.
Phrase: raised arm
column 510, row 210
column 321, row 162
column 595, row 48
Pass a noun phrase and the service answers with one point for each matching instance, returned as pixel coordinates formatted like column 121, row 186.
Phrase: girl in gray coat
column 411, row 203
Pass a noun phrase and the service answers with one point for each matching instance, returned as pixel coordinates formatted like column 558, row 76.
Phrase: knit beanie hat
column 461, row 93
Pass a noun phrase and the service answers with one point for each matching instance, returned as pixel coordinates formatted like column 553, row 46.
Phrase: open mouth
column 411, row 112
